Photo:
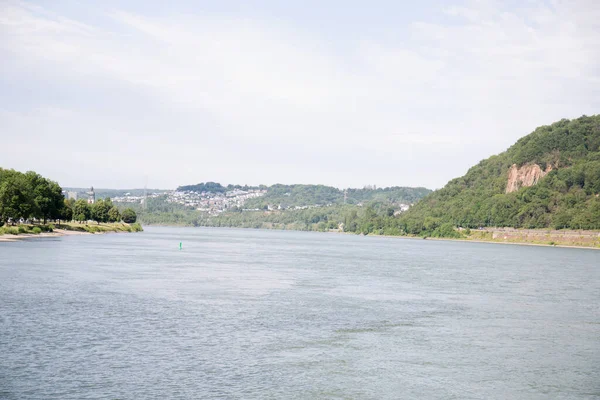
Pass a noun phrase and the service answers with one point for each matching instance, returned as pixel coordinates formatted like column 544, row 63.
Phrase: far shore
column 537, row 237
column 493, row 240
column 468, row 240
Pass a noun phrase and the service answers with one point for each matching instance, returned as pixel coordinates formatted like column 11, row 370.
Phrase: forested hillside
column 308, row 195
column 564, row 193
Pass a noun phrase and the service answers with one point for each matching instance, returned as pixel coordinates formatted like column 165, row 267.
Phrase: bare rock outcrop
column 527, row 175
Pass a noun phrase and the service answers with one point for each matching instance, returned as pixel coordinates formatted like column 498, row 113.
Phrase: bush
column 129, row 216
column 446, row 230
column 91, row 228
column 22, row 229
column 37, row 230
column 392, row 231
column 136, row 227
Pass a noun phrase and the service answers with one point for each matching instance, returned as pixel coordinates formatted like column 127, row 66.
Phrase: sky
column 119, row 94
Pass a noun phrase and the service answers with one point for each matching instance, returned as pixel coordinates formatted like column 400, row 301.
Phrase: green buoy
column 180, row 246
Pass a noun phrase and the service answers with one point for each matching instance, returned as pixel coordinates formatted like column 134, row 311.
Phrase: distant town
column 213, row 201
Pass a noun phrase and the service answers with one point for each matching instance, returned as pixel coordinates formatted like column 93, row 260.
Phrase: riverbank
column 524, row 237
column 540, row 237
column 25, row 231
column 528, row 237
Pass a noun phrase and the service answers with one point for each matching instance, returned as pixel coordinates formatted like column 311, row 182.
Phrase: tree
column 100, row 211
column 47, row 196
column 66, row 212
column 114, row 215
column 81, row 210
column 15, row 197
column 129, row 216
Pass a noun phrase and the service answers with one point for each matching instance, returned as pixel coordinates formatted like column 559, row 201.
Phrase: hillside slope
column 307, row 195
column 549, row 178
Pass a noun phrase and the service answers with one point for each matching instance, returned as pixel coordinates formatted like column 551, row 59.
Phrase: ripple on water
column 266, row 314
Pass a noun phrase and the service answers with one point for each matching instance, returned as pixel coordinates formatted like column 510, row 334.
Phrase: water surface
column 248, row 314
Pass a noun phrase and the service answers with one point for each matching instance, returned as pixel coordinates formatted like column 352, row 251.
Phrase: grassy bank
column 573, row 238
column 100, row 228
column 534, row 237
column 27, row 229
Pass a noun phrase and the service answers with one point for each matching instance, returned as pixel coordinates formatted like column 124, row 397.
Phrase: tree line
column 31, row 197
column 102, row 210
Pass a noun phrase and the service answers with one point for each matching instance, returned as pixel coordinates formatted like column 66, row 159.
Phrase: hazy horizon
column 225, row 184
column 116, row 94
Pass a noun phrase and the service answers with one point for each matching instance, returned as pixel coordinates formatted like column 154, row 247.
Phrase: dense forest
column 567, row 197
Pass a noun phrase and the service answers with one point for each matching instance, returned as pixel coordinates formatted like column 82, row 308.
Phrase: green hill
column 309, row 195
column 554, row 183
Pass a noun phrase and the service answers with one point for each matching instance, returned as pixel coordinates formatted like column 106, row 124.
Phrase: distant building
column 91, row 196
column 71, row 195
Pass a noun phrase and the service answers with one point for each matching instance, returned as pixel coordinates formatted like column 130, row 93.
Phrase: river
column 252, row 314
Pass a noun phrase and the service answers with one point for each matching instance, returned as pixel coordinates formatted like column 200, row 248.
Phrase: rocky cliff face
column 527, row 175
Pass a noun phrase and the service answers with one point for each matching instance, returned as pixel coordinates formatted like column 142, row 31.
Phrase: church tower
column 91, row 196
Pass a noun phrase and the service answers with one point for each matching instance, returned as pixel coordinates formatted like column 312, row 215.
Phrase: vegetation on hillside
column 568, row 197
column 307, row 195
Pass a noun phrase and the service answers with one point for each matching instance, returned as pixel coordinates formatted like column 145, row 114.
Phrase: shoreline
column 477, row 240
column 7, row 237
column 70, row 229
column 473, row 240
column 66, row 232
column 467, row 240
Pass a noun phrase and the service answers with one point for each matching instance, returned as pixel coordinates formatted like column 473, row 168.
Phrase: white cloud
column 416, row 111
